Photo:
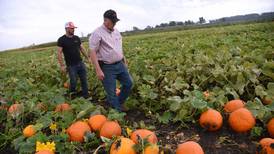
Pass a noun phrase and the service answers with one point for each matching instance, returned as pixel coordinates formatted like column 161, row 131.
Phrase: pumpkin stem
column 97, row 149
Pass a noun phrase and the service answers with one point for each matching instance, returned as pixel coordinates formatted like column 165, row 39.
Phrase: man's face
column 70, row 31
column 108, row 23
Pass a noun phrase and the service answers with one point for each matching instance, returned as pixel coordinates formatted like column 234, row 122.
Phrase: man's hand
column 100, row 74
column 125, row 62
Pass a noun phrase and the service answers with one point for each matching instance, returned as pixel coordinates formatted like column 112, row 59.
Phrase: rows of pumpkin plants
column 48, row 133
column 200, row 76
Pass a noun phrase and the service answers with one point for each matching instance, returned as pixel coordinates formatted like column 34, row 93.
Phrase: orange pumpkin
column 211, row 119
column 29, row 131
column 110, row 129
column 66, row 85
column 62, row 107
column 152, row 149
column 96, row 122
column 44, row 152
column 118, row 91
column 77, row 131
column 144, row 133
column 241, row 120
column 189, row 147
column 233, row 105
column 16, row 108
column 270, row 127
column 267, row 101
column 122, row 146
column 267, row 146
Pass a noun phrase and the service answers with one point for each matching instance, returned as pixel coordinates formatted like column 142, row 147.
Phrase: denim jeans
column 74, row 72
column 113, row 72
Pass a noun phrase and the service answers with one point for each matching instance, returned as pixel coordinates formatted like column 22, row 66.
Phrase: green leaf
column 149, row 78
column 175, row 102
column 27, row 147
column 256, row 132
column 181, row 115
column 260, row 91
column 165, row 118
column 198, row 103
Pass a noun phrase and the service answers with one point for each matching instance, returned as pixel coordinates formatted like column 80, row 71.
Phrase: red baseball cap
column 70, row 25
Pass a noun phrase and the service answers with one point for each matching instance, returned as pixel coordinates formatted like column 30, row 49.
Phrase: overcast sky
column 24, row 22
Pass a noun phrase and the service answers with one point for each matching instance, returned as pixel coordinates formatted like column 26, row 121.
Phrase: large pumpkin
column 96, row 121
column 241, row 120
column 233, row 105
column 270, row 127
column 62, row 107
column 189, row 147
column 29, row 131
column 211, row 120
column 122, row 146
column 110, row 129
column 77, row 131
column 144, row 133
column 266, row 146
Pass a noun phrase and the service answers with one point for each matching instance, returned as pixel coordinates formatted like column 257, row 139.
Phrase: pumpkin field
column 206, row 90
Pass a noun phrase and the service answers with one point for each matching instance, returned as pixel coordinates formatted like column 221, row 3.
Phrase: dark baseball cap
column 111, row 14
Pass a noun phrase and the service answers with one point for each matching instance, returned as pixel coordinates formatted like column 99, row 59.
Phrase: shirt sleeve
column 60, row 42
column 94, row 41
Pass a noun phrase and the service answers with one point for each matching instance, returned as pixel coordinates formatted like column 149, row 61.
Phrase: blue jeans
column 113, row 72
column 75, row 71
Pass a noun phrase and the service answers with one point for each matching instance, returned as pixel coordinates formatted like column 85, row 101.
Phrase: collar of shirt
column 108, row 30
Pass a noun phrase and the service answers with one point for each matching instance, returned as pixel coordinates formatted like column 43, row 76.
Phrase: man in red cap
column 106, row 53
column 70, row 46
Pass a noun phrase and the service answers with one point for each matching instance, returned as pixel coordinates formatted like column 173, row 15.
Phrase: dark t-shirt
column 71, row 49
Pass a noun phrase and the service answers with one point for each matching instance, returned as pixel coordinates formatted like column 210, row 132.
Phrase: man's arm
column 83, row 51
column 96, row 65
column 60, row 59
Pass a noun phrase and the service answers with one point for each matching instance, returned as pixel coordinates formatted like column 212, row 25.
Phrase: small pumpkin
column 241, row 120
column 15, row 110
column 266, row 146
column 62, row 107
column 267, row 101
column 96, row 122
column 189, row 147
column 110, row 129
column 29, row 131
column 211, row 120
column 77, row 131
column 122, row 146
column 270, row 127
column 66, row 85
column 144, row 133
column 152, row 149
column 233, row 105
